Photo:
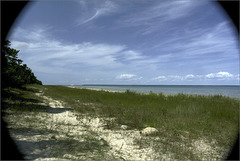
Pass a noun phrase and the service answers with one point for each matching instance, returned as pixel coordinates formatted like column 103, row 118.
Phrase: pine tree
column 14, row 74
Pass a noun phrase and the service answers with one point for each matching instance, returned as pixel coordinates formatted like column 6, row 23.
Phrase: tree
column 14, row 74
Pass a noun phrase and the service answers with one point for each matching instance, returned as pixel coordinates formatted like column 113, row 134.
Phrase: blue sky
column 128, row 42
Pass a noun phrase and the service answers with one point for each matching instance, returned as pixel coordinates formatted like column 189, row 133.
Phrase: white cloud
column 128, row 77
column 189, row 76
column 160, row 78
column 169, row 78
column 221, row 75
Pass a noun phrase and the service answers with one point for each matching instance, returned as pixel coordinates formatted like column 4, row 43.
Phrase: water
column 230, row 91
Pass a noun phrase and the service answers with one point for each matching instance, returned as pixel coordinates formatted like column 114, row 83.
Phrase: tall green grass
column 196, row 113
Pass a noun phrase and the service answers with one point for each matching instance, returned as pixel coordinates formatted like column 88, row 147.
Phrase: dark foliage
column 14, row 73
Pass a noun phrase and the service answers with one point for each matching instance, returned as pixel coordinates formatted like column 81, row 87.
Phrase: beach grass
column 214, row 117
column 179, row 118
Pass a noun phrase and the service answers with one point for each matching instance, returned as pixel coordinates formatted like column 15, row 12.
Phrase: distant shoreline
column 95, row 89
column 224, row 90
column 149, row 85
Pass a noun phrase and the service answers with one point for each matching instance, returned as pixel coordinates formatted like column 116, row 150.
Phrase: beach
column 81, row 124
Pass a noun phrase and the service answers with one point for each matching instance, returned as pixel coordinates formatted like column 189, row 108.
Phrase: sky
column 140, row 42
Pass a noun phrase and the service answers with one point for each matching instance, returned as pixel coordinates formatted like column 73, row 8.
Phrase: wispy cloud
column 95, row 11
column 34, row 34
column 212, row 41
column 50, row 55
column 206, row 47
column 153, row 18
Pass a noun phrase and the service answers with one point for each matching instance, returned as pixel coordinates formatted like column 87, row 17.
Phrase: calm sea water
column 230, row 91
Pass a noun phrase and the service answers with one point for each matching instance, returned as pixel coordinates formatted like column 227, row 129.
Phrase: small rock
column 149, row 131
column 124, row 127
column 98, row 138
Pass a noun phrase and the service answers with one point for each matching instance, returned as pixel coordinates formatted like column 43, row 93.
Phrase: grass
column 153, row 109
column 179, row 118
column 214, row 117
